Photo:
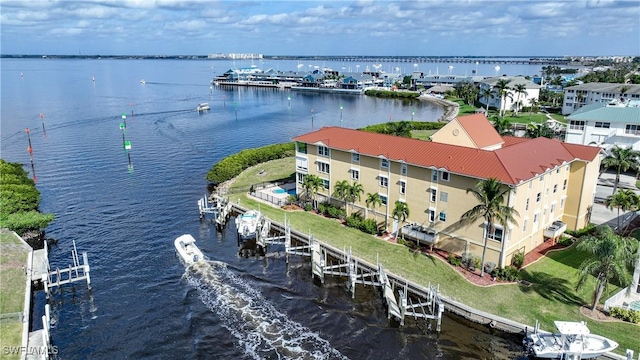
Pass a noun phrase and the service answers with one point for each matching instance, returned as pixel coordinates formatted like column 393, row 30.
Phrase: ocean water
column 143, row 303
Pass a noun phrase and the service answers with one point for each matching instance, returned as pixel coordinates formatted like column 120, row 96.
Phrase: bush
column 369, row 226
column 336, row 212
column 518, row 259
column 581, row 232
column 308, row 207
column 489, row 266
column 628, row 315
column 565, row 241
column 454, row 260
column 468, row 260
column 322, row 208
column 509, row 273
column 354, row 220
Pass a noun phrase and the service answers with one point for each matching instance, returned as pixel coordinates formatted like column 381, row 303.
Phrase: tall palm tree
column 341, row 191
column 502, row 87
column 486, row 93
column 533, row 103
column 401, row 213
column 355, row 191
column 624, row 200
column 612, row 258
column 311, row 185
column 491, row 195
column 373, row 201
column 519, row 89
column 622, row 159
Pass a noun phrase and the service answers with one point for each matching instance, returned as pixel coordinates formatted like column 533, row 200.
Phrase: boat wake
column 261, row 330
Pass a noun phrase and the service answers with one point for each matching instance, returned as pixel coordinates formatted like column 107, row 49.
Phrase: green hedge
column 413, row 125
column 233, row 165
column 19, row 200
column 393, row 94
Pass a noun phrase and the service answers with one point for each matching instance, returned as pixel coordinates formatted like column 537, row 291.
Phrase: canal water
column 143, row 303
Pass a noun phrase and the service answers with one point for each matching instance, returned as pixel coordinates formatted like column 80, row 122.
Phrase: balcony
column 419, row 233
column 556, row 229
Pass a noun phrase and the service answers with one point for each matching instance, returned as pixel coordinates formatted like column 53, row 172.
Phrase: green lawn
column 13, row 256
column 422, row 134
column 551, row 297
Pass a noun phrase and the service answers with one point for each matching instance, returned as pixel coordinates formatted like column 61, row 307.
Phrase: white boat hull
column 248, row 224
column 187, row 249
column 579, row 344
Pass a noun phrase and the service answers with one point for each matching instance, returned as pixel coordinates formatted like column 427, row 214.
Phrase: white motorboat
column 203, row 107
column 248, row 224
column 572, row 341
column 187, row 249
column 143, row 81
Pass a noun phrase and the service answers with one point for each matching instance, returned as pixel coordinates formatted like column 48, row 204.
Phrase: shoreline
column 451, row 109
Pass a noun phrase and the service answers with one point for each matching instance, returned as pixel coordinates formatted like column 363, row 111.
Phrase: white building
column 578, row 96
column 606, row 125
column 532, row 92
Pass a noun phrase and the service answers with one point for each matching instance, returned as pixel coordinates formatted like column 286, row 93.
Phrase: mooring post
column 85, row 260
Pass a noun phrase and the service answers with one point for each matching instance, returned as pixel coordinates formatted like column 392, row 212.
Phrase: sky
column 310, row 28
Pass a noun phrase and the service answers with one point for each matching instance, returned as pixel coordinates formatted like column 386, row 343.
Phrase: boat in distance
column 203, row 107
column 187, row 249
column 572, row 341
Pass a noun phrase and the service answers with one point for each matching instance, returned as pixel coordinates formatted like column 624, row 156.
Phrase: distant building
column 532, row 92
column 550, row 181
column 578, row 96
column 616, row 123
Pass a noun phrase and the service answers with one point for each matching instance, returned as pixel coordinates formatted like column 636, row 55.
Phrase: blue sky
column 429, row 27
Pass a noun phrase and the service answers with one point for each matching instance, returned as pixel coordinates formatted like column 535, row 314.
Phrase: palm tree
column 355, row 191
column 373, row 201
column 502, row 87
column 341, row 191
column 612, row 258
column 533, row 102
column 491, row 196
column 311, row 185
column 502, row 126
column 519, row 89
column 622, row 159
column 535, row 130
column 401, row 213
column 624, row 200
column 487, row 94
column 400, row 128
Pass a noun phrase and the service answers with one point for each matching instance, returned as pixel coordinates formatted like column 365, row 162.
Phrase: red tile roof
column 519, row 161
column 482, row 133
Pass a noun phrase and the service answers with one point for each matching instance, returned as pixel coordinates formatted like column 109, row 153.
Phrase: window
column 542, row 178
column 535, row 218
column 526, row 205
column 355, row 174
column 432, row 214
column 325, row 184
column 302, row 147
column 323, row 151
column 403, row 169
column 632, row 129
column 553, row 208
column 444, row 196
column 323, row 167
column 434, row 175
column 555, row 188
column 300, row 178
column 355, row 157
column 495, row 233
column 603, row 125
column 383, row 199
column 576, row 125
column 444, row 175
column 384, row 181
column 564, row 185
column 538, row 197
column 384, row 163
column 442, row 216
column 301, row 164
column 403, row 187
column 524, row 225
column 434, row 193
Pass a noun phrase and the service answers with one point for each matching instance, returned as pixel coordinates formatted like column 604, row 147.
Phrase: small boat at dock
column 203, row 107
column 572, row 341
column 187, row 249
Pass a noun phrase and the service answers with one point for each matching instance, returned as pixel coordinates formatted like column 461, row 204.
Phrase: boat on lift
column 248, row 224
column 572, row 341
column 187, row 249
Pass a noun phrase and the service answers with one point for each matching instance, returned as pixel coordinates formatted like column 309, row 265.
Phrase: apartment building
column 581, row 95
column 550, row 181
